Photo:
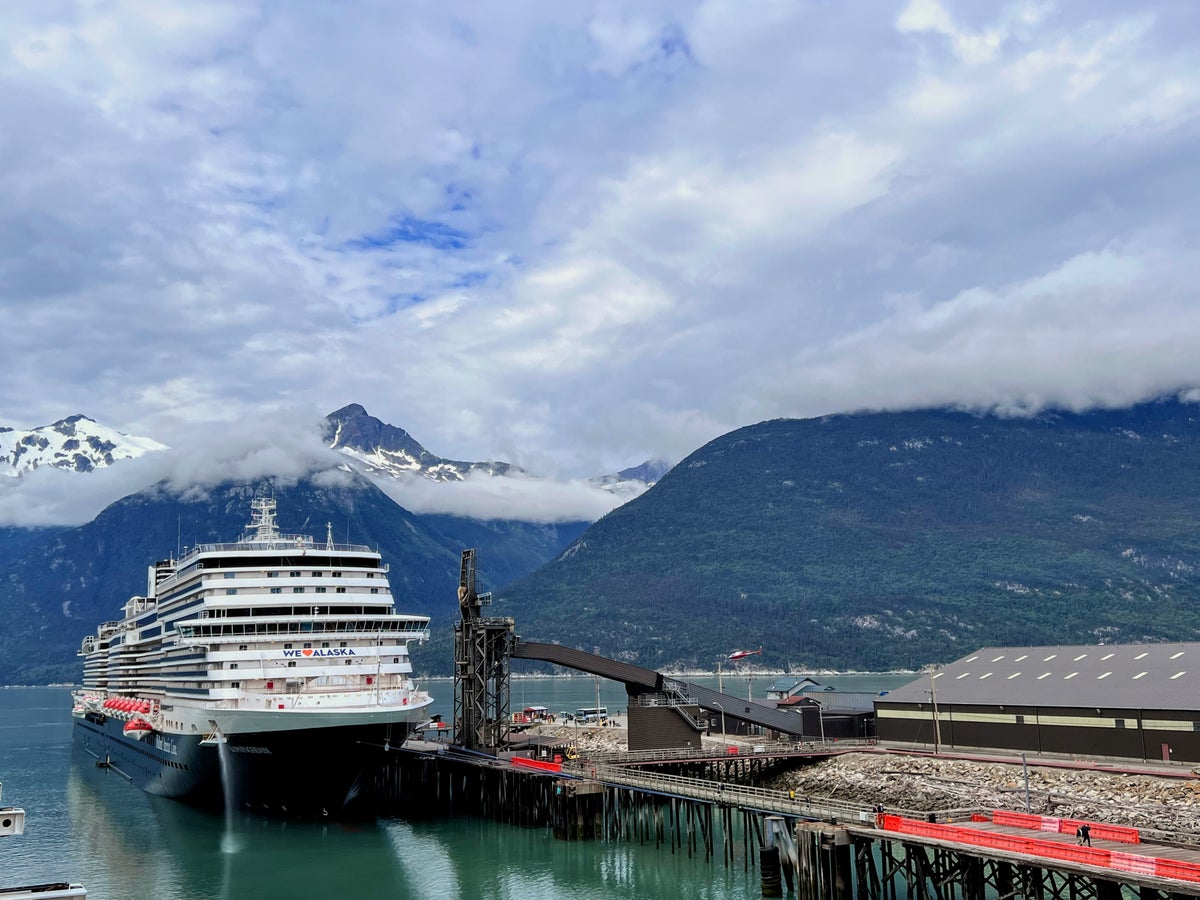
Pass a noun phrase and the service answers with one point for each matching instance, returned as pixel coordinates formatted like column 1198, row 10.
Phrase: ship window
column 272, row 574
column 342, row 644
column 276, row 590
column 298, row 590
column 287, row 646
column 229, row 574
column 241, row 646
column 374, row 590
column 395, row 659
column 291, row 664
column 336, row 574
column 236, row 684
column 317, row 574
column 325, row 643
column 341, row 590
column 229, row 591
column 294, row 574
column 320, row 590
column 233, row 665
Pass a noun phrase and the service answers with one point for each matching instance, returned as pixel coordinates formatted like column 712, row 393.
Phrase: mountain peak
column 352, row 427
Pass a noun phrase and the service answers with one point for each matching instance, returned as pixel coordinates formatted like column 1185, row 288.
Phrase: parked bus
column 597, row 714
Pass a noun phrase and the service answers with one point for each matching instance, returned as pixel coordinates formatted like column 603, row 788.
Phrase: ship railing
column 215, row 630
column 282, row 542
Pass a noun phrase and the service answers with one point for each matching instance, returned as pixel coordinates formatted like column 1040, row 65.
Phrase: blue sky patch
column 409, row 230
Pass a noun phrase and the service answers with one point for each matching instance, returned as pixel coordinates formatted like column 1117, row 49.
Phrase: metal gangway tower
column 482, row 649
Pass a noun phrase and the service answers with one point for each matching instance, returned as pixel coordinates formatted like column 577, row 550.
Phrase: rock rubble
column 934, row 785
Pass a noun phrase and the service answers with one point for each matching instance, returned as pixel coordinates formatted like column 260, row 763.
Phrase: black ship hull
column 319, row 772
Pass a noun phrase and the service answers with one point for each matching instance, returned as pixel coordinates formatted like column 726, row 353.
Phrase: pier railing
column 786, row 803
column 729, row 748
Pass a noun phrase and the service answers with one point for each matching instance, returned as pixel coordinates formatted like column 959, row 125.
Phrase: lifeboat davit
column 138, row 729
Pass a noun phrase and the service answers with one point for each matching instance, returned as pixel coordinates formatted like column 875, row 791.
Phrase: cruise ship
column 269, row 674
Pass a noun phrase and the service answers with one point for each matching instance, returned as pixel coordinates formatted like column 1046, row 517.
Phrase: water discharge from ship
column 229, row 842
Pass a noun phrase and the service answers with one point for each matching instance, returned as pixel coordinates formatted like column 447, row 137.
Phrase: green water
column 88, row 825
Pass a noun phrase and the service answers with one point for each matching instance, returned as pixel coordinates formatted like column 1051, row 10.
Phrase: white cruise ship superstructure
column 272, row 671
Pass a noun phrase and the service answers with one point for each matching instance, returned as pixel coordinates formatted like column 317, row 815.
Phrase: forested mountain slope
column 891, row 540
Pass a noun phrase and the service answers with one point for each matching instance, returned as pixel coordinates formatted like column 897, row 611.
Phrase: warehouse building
column 1131, row 701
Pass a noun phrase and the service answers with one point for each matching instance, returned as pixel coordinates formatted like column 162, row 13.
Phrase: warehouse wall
column 1123, row 733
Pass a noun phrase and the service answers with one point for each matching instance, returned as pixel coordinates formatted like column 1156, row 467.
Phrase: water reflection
column 149, row 848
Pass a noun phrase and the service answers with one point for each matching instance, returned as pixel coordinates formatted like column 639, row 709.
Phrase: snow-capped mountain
column 384, row 449
column 77, row 444
column 380, row 451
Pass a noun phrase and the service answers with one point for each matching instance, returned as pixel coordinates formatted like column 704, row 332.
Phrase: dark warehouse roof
column 1127, row 676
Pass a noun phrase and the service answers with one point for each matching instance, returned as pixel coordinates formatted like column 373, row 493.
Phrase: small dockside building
column 1131, row 701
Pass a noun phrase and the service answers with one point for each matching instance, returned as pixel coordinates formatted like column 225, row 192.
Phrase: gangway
column 639, row 680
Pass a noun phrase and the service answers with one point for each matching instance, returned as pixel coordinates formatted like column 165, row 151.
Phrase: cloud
column 582, row 236
column 284, row 446
column 523, row 499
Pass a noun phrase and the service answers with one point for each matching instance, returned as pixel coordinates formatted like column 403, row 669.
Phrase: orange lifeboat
column 138, row 729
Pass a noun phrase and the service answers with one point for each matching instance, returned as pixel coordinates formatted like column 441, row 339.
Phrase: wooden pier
column 822, row 849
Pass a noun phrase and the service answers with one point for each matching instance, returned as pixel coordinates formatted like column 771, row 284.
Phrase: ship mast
column 262, row 525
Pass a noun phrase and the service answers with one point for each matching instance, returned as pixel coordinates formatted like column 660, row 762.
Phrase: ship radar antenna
column 328, row 535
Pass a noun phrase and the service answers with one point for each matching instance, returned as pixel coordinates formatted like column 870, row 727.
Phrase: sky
column 578, row 236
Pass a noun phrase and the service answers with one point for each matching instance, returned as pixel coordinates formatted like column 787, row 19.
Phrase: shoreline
column 724, row 673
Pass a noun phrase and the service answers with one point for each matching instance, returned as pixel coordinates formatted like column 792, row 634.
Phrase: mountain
column 384, row 452
column 384, row 449
column 887, row 540
column 633, row 482
column 76, row 444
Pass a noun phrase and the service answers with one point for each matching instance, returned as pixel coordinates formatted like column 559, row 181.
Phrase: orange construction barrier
column 523, row 762
column 1092, row 856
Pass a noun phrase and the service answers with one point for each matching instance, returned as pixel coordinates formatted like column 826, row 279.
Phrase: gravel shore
column 932, row 785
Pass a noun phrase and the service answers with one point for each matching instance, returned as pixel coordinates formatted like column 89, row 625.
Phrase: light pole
column 937, row 724
column 821, row 717
column 722, row 709
column 1025, row 767
column 720, row 681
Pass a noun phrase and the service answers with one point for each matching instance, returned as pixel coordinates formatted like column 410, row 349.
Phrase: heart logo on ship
column 306, row 652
